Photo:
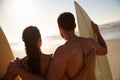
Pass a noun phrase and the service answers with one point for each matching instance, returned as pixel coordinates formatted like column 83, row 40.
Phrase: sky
column 16, row 15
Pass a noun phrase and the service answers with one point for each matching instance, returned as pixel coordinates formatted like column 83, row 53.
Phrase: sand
column 114, row 57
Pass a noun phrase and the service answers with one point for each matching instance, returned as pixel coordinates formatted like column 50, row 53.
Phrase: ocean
column 110, row 30
column 50, row 43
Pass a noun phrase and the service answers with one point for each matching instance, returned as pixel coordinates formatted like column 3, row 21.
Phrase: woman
column 35, row 62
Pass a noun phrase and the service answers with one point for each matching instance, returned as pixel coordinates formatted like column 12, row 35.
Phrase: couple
column 73, row 60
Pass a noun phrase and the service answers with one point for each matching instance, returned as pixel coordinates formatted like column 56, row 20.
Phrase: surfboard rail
column 6, row 54
column 102, row 69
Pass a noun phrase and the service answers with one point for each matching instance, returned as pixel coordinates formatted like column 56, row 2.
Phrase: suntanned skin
column 68, row 58
column 88, row 73
column 44, row 66
column 45, row 61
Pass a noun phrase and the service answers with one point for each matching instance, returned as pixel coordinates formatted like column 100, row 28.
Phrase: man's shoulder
column 62, row 50
column 84, row 39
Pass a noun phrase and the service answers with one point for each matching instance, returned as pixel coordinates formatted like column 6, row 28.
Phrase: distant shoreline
column 111, row 25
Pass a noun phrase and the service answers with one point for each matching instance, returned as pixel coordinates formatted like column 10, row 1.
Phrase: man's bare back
column 80, row 49
column 74, row 52
column 70, row 58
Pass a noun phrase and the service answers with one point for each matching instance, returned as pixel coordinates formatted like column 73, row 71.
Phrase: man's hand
column 88, row 60
column 95, row 27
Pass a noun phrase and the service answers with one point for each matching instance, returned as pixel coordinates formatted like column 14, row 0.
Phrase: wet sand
column 114, row 57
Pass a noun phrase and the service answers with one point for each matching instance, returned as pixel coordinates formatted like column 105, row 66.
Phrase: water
column 49, row 44
column 111, row 30
column 111, row 34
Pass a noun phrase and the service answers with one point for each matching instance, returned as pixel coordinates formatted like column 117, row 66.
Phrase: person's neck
column 70, row 36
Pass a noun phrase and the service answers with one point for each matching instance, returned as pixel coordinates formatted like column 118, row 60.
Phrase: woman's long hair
column 30, row 37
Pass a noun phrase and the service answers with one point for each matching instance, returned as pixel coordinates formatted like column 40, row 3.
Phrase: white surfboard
column 6, row 54
column 103, row 71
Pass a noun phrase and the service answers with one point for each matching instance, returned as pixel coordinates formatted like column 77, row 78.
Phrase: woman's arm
column 16, row 67
column 9, row 76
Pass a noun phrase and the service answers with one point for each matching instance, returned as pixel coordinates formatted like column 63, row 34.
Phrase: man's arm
column 58, row 65
column 101, row 46
column 9, row 76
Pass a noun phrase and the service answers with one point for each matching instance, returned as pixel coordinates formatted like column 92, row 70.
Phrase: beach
column 114, row 57
column 111, row 36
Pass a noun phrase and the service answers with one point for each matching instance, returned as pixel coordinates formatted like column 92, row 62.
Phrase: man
column 70, row 59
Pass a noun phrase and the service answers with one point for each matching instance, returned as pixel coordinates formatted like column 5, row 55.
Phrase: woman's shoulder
column 45, row 63
column 46, row 56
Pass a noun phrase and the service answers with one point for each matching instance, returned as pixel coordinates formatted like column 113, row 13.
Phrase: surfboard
column 102, row 69
column 6, row 54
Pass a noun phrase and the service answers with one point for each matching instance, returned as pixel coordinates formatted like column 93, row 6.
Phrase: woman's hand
column 15, row 66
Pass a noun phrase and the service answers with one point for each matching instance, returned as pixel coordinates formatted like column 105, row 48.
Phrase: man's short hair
column 66, row 21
